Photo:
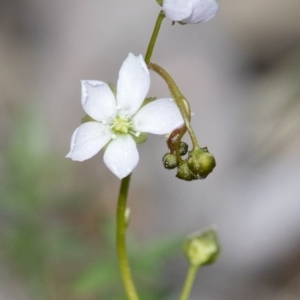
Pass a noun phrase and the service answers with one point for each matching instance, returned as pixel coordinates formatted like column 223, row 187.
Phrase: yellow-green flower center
column 121, row 125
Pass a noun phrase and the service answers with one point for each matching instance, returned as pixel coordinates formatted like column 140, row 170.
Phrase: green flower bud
column 202, row 248
column 201, row 162
column 184, row 173
column 170, row 161
column 183, row 148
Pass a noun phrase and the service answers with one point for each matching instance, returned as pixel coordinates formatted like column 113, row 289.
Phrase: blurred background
column 241, row 74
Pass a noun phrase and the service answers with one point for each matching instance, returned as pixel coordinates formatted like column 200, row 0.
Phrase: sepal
column 142, row 138
column 113, row 89
column 86, row 119
column 148, row 100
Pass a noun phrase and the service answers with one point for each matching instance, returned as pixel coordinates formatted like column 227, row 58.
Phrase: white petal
column 87, row 140
column 159, row 117
column 98, row 100
column 203, row 10
column 121, row 155
column 190, row 11
column 177, row 10
column 133, row 84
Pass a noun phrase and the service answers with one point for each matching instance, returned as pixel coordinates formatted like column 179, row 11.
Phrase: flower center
column 121, row 125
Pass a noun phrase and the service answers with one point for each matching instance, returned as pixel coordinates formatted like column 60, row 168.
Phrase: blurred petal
column 121, row 155
column 190, row 11
column 177, row 10
column 87, row 140
column 98, row 100
column 203, row 10
column 133, row 84
column 159, row 117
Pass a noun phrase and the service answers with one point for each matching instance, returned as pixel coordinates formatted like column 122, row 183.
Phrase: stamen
column 113, row 136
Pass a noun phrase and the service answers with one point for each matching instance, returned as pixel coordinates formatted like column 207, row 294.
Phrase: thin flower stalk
column 153, row 39
column 121, row 241
column 191, row 275
column 181, row 101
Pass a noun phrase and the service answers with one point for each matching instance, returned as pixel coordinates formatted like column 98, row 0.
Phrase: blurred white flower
column 117, row 119
column 190, row 11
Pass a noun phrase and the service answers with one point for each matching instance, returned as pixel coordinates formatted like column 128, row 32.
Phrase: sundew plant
column 120, row 117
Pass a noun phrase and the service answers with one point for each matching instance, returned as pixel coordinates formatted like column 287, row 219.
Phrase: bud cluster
column 170, row 160
column 198, row 164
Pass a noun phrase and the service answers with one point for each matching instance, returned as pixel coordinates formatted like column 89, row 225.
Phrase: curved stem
column 173, row 142
column 189, row 282
column 121, row 240
column 181, row 101
column 154, row 36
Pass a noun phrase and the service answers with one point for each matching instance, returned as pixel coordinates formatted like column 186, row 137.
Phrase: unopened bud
column 183, row 148
column 201, row 162
column 202, row 248
column 170, row 161
column 184, row 173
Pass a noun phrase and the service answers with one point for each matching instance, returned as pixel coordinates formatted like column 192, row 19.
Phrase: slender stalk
column 189, row 282
column 121, row 209
column 181, row 101
column 154, row 36
column 121, row 241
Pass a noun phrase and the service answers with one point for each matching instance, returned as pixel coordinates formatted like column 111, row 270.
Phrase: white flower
column 117, row 119
column 190, row 11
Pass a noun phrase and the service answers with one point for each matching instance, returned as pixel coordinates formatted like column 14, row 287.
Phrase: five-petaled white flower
column 190, row 11
column 115, row 120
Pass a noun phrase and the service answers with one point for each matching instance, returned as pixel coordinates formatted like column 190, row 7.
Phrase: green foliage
column 44, row 237
column 102, row 279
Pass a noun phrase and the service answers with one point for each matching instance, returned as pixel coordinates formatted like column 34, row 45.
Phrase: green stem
column 154, row 36
column 121, row 209
column 181, row 101
column 121, row 240
column 189, row 282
